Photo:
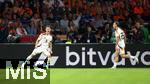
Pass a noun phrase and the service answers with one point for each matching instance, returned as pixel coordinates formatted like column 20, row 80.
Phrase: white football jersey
column 120, row 33
column 45, row 40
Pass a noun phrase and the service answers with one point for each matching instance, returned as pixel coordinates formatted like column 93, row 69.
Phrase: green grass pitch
column 87, row 76
column 100, row 76
column 3, row 79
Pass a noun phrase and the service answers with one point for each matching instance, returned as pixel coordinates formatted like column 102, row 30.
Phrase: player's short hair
column 47, row 26
column 117, row 23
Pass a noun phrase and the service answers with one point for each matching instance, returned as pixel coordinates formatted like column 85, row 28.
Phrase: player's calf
column 129, row 56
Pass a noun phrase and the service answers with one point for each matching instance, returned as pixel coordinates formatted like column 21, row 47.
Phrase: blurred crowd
column 75, row 21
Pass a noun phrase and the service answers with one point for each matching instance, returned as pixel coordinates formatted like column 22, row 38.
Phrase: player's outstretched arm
column 37, row 41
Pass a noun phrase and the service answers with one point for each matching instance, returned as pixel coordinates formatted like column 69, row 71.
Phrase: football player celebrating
column 120, row 45
column 43, row 45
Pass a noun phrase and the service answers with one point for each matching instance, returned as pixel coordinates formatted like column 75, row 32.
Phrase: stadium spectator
column 80, row 13
column 89, row 36
column 146, row 34
column 76, row 20
column 13, row 37
column 45, row 20
column 99, row 22
column 57, row 28
column 36, row 20
column 21, row 30
column 138, row 9
column 31, row 29
column 64, row 23
column 137, row 34
column 26, row 10
column 3, row 31
column 72, row 34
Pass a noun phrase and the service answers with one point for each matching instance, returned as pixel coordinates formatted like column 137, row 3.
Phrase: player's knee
column 48, row 55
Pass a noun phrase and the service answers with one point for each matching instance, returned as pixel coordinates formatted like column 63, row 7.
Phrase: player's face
column 48, row 30
column 115, row 26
